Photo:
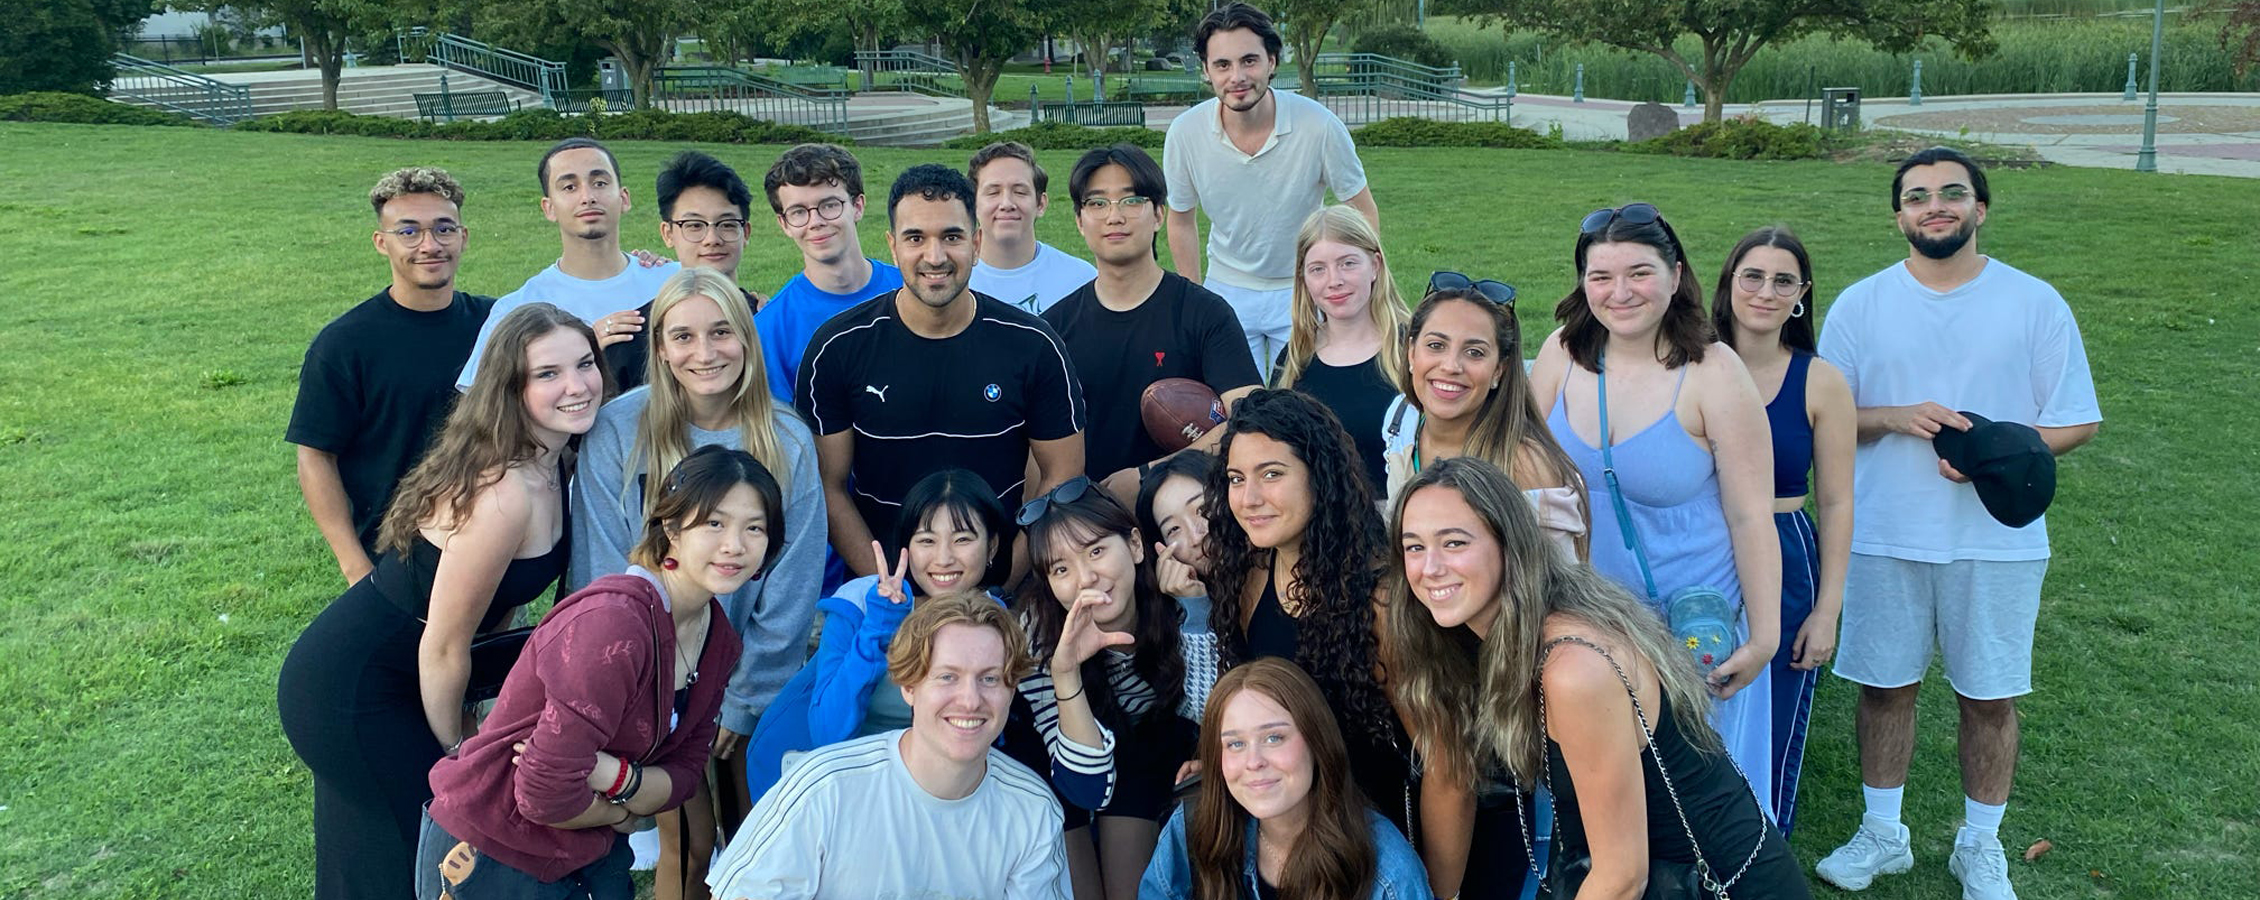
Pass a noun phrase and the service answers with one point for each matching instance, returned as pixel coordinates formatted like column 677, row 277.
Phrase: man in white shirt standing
column 1949, row 330
column 1258, row 162
column 592, row 278
column 929, row 811
column 1009, row 195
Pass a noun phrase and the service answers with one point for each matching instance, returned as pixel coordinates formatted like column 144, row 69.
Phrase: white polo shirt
column 1256, row 203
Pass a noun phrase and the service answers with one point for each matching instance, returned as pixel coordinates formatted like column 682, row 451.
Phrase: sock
column 1883, row 803
column 1984, row 818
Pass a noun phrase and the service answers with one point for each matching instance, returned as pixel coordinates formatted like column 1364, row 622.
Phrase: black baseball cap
column 2011, row 467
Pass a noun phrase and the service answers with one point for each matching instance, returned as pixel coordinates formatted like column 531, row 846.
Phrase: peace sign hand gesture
column 1080, row 638
column 890, row 583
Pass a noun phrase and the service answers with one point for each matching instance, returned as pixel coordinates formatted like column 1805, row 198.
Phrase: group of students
column 1192, row 674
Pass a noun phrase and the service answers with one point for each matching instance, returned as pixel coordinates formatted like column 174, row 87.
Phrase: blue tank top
column 1792, row 430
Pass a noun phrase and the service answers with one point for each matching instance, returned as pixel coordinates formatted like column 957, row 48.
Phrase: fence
column 162, row 86
column 511, row 67
column 910, row 70
column 720, row 89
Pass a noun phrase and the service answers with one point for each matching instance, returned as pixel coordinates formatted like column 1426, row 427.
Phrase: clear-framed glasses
column 447, row 233
column 1952, row 193
column 730, row 231
column 828, row 209
column 1754, row 282
column 1098, row 206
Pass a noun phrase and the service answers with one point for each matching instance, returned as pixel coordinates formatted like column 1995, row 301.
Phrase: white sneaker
column 1980, row 864
column 1878, row 848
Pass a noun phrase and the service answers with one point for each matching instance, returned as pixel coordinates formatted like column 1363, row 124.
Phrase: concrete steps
column 376, row 91
column 923, row 124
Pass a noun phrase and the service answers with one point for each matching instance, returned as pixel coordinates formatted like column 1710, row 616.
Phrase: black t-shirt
column 377, row 383
column 628, row 358
column 1360, row 396
column 973, row 400
column 1182, row 331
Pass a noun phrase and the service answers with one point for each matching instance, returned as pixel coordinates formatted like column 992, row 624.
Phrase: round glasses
column 829, row 209
column 1754, row 282
column 730, row 231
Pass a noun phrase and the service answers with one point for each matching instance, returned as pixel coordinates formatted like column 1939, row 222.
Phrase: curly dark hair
column 1344, row 556
column 1158, row 660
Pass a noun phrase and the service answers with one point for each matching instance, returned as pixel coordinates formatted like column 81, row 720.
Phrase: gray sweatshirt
column 772, row 613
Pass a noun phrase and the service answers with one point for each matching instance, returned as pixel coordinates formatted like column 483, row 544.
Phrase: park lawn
column 162, row 285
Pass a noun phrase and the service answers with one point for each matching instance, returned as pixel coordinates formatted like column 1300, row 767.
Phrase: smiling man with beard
column 1947, row 331
column 379, row 379
column 934, row 375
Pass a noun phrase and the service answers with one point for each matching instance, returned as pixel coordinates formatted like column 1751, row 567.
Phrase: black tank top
column 1271, row 631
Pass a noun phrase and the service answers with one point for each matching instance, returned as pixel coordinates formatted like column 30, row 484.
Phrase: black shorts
column 1145, row 770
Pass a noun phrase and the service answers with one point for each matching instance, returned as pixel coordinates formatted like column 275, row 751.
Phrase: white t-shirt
column 591, row 300
column 1256, row 204
column 847, row 821
column 1039, row 284
column 2003, row 346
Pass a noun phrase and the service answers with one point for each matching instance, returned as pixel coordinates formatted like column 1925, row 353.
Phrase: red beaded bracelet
column 619, row 782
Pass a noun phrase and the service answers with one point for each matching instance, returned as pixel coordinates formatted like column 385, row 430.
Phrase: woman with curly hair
column 1518, row 658
column 1295, row 572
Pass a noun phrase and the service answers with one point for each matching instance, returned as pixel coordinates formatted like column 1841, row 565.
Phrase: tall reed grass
column 2035, row 56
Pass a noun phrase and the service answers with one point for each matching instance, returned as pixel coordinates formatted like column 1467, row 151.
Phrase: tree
column 641, row 33
column 1731, row 31
column 871, row 21
column 325, row 26
column 1098, row 25
column 2240, row 34
column 981, row 34
column 1306, row 23
column 63, row 45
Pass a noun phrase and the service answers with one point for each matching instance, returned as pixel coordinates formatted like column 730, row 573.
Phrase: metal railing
column 910, row 70
column 718, row 88
column 1391, row 68
column 1367, row 87
column 176, row 90
column 544, row 77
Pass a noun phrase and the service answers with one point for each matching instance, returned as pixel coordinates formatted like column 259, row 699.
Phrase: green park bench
column 1098, row 114
column 1158, row 88
column 826, row 77
column 463, row 104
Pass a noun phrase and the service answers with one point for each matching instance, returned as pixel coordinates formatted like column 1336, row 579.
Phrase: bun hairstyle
column 694, row 488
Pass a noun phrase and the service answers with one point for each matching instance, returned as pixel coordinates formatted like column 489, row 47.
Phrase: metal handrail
column 453, row 51
column 914, row 71
column 1441, row 75
column 904, row 59
column 721, row 88
column 179, row 90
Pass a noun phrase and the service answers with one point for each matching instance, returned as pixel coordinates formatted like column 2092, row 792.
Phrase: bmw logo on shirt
column 991, row 393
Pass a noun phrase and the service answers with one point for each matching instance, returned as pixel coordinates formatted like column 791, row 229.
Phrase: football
column 1177, row 411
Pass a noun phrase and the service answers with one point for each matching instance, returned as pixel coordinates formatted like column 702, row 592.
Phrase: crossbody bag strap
column 1616, row 493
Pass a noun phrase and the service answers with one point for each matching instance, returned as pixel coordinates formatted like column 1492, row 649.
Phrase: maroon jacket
column 598, row 674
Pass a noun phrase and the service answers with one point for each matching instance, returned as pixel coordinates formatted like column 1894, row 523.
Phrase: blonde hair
column 1343, row 224
column 1437, row 682
column 912, row 654
column 663, row 429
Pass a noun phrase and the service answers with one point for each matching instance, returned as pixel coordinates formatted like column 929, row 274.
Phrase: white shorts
column 1979, row 614
column 1266, row 316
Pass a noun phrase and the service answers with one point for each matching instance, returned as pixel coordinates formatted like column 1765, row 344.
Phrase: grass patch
column 159, row 561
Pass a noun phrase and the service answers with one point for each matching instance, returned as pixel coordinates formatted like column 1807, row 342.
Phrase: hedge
column 549, row 125
column 1406, row 131
column 1059, row 136
column 1740, row 139
column 55, row 106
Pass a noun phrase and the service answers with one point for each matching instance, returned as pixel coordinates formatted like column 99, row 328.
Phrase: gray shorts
column 1978, row 613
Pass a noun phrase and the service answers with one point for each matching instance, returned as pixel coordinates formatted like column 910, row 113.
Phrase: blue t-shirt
column 590, row 300
column 794, row 313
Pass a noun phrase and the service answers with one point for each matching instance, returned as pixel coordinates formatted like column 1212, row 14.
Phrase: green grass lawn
column 161, row 286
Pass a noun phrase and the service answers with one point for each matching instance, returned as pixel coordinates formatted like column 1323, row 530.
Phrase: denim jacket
column 1398, row 873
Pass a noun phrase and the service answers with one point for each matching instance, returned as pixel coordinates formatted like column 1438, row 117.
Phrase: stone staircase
column 919, row 121
column 372, row 91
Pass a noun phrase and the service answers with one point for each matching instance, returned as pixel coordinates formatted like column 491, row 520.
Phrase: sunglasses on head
column 1068, row 491
column 1498, row 292
column 1599, row 220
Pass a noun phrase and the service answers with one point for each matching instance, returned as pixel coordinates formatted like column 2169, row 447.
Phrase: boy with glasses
column 816, row 190
column 1012, row 193
column 377, row 382
column 703, row 210
column 1137, row 323
column 1949, row 329
column 592, row 278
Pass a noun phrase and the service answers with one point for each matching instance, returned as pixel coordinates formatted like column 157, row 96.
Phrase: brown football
column 1177, row 411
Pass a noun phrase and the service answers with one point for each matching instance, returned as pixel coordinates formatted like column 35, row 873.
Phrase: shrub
column 1403, row 42
column 549, row 125
column 1059, row 136
column 1739, row 139
column 54, row 106
column 1405, row 131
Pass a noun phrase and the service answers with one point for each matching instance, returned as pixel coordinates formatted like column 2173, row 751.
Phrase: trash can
column 1840, row 108
column 610, row 76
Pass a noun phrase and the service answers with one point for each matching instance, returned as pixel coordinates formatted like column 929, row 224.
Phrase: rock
column 1650, row 120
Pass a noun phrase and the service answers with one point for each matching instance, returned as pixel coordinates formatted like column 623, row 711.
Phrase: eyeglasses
column 1952, row 193
column 830, row 208
column 1498, row 292
column 730, row 231
column 1068, row 491
column 412, row 235
column 1599, row 220
column 1130, row 204
column 1752, row 281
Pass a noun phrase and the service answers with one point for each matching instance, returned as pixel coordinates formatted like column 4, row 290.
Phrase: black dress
column 1718, row 804
column 1360, row 396
column 352, row 709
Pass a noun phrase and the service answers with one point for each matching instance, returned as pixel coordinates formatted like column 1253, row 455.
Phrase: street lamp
column 2146, row 159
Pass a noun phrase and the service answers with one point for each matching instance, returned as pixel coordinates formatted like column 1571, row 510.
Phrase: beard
column 1941, row 247
column 1255, row 99
column 939, row 298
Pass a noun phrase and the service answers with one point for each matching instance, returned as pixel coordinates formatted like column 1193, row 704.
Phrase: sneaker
column 1878, row 848
column 1981, row 866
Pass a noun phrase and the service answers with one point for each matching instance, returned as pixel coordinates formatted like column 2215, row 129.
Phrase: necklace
column 688, row 661
column 546, row 476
